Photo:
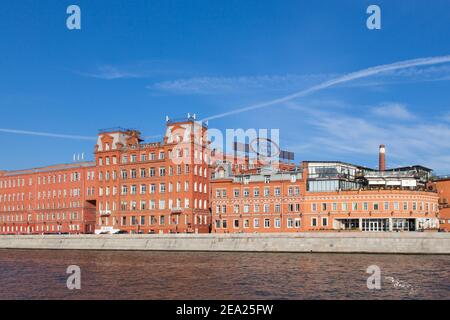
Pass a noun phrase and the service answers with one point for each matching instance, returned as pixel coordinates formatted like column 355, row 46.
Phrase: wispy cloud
column 405, row 76
column 140, row 69
column 62, row 136
column 108, row 72
column 212, row 85
column 393, row 110
column 446, row 117
column 225, row 85
column 46, row 134
column 347, row 135
column 365, row 73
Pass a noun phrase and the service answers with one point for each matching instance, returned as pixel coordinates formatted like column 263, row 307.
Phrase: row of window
column 153, row 205
column 162, row 187
column 268, row 222
column 292, row 191
column 152, row 156
column 152, row 220
column 76, row 192
column 43, row 206
column 151, row 172
column 130, row 158
column 256, row 223
column 266, row 208
column 40, row 217
column 47, row 228
column 52, row 179
column 374, row 206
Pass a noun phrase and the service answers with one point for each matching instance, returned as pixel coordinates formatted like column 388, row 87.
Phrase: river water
column 214, row 276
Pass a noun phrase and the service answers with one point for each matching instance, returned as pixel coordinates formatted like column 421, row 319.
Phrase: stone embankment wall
column 393, row 243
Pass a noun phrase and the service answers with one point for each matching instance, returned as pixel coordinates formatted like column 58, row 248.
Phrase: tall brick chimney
column 382, row 158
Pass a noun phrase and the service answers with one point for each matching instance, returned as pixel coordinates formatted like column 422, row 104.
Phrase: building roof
column 410, row 168
column 58, row 167
column 117, row 129
column 407, row 168
column 189, row 119
column 340, row 162
column 442, row 178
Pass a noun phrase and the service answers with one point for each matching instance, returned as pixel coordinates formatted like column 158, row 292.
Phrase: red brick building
column 442, row 186
column 178, row 185
column 260, row 200
column 322, row 196
column 160, row 187
column 55, row 199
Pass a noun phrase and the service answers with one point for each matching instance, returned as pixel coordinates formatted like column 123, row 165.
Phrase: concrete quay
column 377, row 243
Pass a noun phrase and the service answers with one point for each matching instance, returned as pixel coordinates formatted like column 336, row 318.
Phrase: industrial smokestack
column 382, row 158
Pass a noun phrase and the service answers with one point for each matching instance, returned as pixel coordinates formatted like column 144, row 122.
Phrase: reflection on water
column 173, row 276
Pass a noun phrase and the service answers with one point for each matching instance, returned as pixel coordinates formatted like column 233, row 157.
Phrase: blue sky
column 135, row 62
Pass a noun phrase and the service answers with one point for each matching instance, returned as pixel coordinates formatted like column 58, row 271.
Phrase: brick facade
column 48, row 200
column 154, row 187
column 179, row 185
column 442, row 186
column 279, row 201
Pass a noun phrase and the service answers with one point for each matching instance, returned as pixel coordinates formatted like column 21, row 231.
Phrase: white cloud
column 342, row 135
column 446, row 117
column 139, row 69
column 108, row 72
column 393, row 111
column 345, row 79
column 402, row 72
column 222, row 85
column 46, row 134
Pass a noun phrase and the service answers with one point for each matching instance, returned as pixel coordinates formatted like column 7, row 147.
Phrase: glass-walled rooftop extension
column 339, row 176
column 332, row 176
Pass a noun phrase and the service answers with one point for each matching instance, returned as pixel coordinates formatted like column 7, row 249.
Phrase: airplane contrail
column 47, row 134
column 330, row 83
column 346, row 78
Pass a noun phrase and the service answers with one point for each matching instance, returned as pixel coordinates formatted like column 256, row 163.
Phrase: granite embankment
column 393, row 243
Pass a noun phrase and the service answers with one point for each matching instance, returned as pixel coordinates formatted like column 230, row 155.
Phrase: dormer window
column 107, row 147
